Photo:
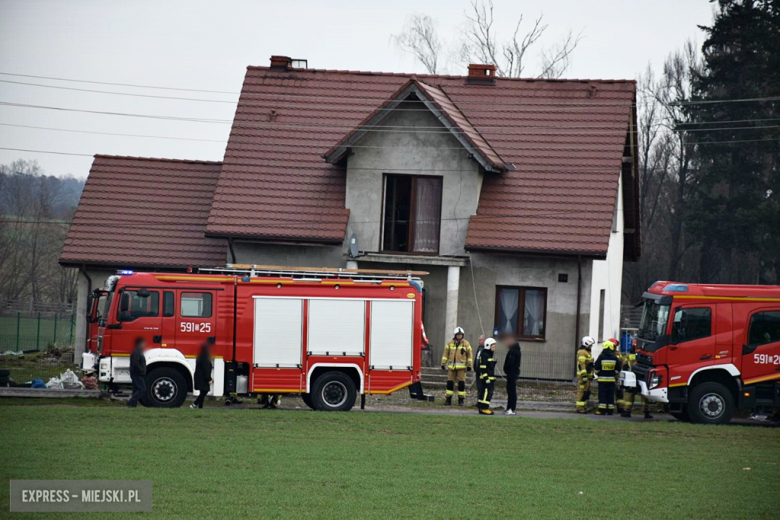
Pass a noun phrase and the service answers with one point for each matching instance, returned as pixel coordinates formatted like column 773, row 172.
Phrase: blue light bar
column 676, row 287
column 126, row 273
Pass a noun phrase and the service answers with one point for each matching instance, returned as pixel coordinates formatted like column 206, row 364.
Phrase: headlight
column 655, row 380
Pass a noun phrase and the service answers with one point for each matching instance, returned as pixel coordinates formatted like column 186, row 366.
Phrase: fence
column 36, row 345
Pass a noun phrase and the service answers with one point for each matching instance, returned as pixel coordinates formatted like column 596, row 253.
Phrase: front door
column 197, row 323
column 761, row 351
column 692, row 341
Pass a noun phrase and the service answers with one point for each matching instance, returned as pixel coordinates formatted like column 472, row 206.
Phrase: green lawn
column 232, row 463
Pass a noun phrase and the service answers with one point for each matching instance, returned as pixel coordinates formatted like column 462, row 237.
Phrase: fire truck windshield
column 653, row 323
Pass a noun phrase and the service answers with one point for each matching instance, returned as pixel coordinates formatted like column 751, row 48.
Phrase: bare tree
column 420, row 39
column 479, row 43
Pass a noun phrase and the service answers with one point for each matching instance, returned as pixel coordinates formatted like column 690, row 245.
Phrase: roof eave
column 597, row 255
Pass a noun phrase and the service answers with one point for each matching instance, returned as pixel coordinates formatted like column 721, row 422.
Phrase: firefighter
column 487, row 373
column 457, row 361
column 620, row 403
column 607, row 367
column 584, row 373
column 628, row 364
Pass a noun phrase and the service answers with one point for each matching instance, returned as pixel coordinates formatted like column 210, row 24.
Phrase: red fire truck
column 709, row 350
column 327, row 334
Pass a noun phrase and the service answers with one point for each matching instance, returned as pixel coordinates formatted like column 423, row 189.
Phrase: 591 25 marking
column 191, row 326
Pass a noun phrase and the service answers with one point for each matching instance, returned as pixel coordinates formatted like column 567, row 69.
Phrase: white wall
column 608, row 275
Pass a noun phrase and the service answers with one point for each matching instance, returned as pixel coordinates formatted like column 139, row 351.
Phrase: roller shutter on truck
column 337, row 326
column 278, row 338
column 392, row 325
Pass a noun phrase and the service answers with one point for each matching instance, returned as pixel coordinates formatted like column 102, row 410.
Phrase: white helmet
column 587, row 341
column 489, row 343
column 458, row 330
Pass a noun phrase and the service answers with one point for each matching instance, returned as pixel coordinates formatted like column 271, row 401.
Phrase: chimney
column 280, row 62
column 481, row 74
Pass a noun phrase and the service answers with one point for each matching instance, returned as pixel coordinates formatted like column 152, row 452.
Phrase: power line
column 120, row 84
column 118, row 93
column 319, row 98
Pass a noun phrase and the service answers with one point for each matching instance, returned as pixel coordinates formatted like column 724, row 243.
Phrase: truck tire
column 165, row 388
column 333, row 392
column 306, row 398
column 710, row 403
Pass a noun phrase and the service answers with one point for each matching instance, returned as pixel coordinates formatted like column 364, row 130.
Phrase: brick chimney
column 481, row 74
column 280, row 62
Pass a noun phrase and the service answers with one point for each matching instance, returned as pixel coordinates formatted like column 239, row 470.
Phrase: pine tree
column 735, row 209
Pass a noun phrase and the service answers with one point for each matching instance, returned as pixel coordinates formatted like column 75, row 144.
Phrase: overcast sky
column 207, row 45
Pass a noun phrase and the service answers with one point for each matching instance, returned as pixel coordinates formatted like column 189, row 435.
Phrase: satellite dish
column 353, row 246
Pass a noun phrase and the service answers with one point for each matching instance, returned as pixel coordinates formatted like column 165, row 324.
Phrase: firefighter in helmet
column 457, row 361
column 620, row 403
column 607, row 367
column 487, row 373
column 584, row 373
column 629, row 360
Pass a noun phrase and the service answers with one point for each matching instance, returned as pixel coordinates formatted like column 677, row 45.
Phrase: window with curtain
column 412, row 214
column 521, row 311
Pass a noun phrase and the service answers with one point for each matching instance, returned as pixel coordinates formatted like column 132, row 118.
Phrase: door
column 692, row 343
column 761, row 351
column 138, row 316
column 277, row 345
column 196, row 320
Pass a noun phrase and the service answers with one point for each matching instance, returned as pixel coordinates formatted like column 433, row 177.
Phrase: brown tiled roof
column 565, row 139
column 146, row 213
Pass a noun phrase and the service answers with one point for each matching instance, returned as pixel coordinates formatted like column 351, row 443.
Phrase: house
column 519, row 197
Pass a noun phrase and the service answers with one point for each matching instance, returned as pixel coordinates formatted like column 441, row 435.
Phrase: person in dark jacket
column 512, row 371
column 481, row 346
column 203, row 379
column 137, row 372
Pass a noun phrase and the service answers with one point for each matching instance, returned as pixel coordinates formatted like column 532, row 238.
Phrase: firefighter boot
column 626, row 413
column 448, row 401
column 485, row 411
column 460, row 401
column 647, row 415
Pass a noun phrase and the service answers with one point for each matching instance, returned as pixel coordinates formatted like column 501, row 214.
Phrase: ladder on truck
column 315, row 273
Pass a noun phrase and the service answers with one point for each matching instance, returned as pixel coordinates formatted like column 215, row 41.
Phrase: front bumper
column 660, row 395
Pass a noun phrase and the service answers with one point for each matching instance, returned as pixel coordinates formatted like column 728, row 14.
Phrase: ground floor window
column 521, row 311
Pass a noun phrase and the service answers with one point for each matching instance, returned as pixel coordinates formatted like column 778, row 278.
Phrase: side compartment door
column 278, row 345
column 391, row 347
column 692, row 341
column 196, row 320
column 761, row 351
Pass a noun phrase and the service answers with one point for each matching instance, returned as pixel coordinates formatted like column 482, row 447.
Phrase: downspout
column 83, row 271
column 232, row 253
column 577, row 316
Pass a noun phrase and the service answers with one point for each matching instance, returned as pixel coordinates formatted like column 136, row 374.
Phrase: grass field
column 300, row 464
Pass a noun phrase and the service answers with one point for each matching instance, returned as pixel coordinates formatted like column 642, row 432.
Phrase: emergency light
column 126, row 273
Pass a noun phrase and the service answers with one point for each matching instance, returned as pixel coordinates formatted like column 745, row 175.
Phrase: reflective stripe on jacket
column 457, row 356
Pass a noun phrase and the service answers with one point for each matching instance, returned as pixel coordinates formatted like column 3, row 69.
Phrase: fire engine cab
column 709, row 350
column 327, row 334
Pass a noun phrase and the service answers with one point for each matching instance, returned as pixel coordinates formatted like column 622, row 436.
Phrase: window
column 690, row 324
column 195, row 305
column 521, row 311
column 412, row 214
column 764, row 328
column 168, row 304
column 140, row 304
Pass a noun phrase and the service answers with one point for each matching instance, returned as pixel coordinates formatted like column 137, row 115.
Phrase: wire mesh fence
column 36, row 344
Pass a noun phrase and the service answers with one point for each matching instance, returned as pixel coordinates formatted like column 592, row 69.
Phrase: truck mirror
column 124, row 302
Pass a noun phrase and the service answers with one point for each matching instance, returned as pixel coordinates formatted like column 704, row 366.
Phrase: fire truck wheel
column 165, row 388
column 711, row 403
column 334, row 392
column 306, row 398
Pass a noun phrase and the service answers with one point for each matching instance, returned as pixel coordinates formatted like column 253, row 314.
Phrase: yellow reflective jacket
column 584, row 364
column 457, row 356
